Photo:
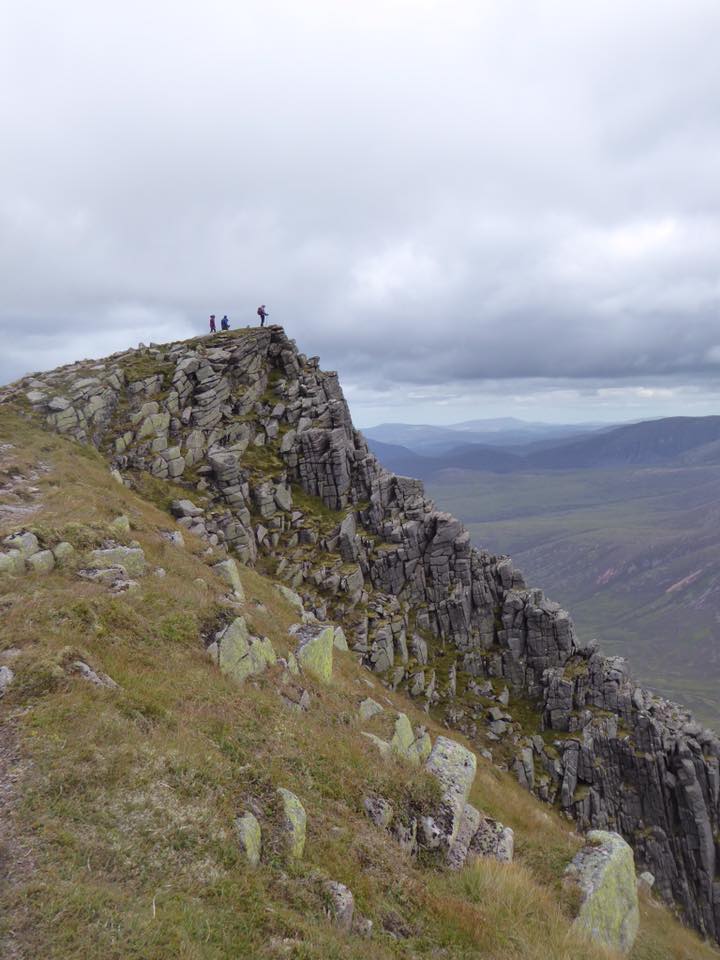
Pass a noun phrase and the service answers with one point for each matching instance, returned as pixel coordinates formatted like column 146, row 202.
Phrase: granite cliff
column 261, row 440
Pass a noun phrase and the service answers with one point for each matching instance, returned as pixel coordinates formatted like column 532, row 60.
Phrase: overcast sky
column 469, row 209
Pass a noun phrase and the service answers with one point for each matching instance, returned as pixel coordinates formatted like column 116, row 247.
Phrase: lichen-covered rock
column 25, row 543
column 291, row 596
column 249, row 835
column 469, row 823
column 605, row 872
column 369, row 708
column 132, row 559
column 42, row 562
column 294, row 823
column 228, row 571
column 12, row 563
column 339, row 640
column 63, row 551
column 315, row 651
column 240, row 655
column 454, row 766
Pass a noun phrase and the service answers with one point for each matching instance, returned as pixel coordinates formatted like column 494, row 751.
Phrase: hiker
column 262, row 313
column 225, row 323
column 212, row 323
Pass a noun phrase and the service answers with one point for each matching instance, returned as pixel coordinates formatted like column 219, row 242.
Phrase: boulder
column 228, row 571
column 492, row 839
column 339, row 640
column 26, row 544
column 240, row 655
column 249, row 835
column 454, row 766
column 42, row 562
column 292, row 598
column 369, row 708
column 342, row 904
column 132, row 559
column 12, row 563
column 62, row 551
column 604, row 870
column 294, row 823
column 315, row 652
column 458, row 852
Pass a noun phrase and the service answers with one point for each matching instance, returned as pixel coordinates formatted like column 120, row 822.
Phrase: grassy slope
column 128, row 796
column 608, row 545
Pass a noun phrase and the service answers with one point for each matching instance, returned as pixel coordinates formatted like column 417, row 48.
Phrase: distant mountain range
column 423, row 451
column 506, row 432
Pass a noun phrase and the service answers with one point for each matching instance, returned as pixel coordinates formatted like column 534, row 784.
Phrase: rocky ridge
column 255, row 431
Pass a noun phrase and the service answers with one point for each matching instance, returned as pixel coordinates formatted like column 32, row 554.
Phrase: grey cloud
column 461, row 196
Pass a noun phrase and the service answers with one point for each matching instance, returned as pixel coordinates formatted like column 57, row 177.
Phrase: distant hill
column 671, row 441
column 505, row 432
column 649, row 443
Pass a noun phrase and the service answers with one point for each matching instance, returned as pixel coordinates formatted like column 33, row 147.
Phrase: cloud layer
column 471, row 205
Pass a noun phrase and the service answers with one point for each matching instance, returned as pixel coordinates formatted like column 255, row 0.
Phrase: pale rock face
column 455, row 767
column 249, row 835
column 315, row 652
column 240, row 655
column 369, row 708
column 291, row 596
column 605, row 873
column 228, row 571
column 294, row 823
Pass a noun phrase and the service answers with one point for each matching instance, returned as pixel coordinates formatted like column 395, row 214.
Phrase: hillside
column 632, row 552
column 134, row 761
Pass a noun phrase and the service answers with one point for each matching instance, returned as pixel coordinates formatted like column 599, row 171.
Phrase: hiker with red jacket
column 212, row 323
column 262, row 313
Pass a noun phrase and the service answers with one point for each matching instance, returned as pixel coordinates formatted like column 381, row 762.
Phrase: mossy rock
column 294, row 823
column 249, row 837
column 315, row 653
column 605, row 874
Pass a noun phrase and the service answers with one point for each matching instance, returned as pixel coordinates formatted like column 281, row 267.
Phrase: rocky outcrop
column 604, row 871
column 254, row 430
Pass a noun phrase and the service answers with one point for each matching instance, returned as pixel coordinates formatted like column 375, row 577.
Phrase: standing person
column 212, row 323
column 262, row 313
column 225, row 323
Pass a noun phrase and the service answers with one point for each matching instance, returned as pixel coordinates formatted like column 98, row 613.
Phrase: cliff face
column 255, row 431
